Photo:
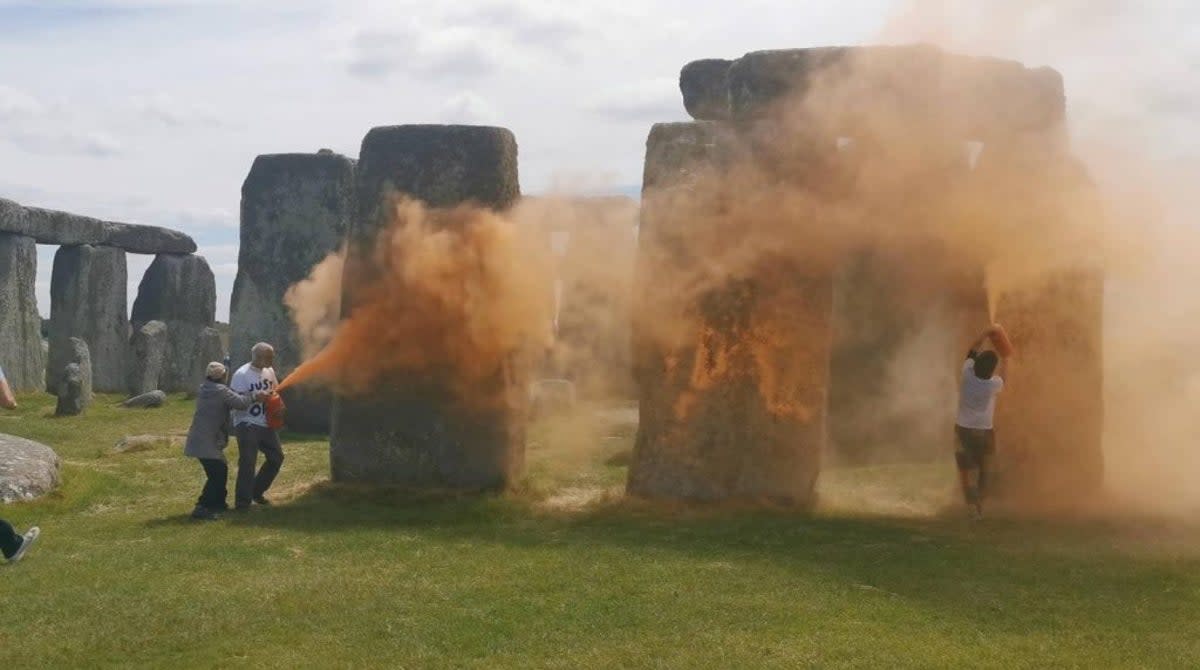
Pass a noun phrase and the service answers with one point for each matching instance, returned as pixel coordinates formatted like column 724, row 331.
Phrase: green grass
column 555, row 576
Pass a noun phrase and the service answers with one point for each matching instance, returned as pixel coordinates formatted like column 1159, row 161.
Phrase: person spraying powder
column 981, row 382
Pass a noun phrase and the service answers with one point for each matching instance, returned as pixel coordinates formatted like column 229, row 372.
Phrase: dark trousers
column 252, row 439
column 10, row 542
column 975, row 450
column 213, row 495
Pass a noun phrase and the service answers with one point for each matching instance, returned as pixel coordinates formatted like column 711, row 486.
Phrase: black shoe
column 204, row 514
column 260, row 500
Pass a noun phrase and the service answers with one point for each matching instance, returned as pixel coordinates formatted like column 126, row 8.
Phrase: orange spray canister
column 275, row 411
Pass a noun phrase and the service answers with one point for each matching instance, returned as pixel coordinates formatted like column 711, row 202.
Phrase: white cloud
column 469, row 108
column 16, row 104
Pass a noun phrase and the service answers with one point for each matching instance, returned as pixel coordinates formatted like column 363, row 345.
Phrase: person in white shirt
column 981, row 382
column 250, row 427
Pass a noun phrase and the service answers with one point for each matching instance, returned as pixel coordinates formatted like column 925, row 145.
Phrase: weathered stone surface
column 416, row 433
column 897, row 353
column 72, row 399
column 705, row 88
column 209, row 348
column 1050, row 432
column 181, row 292
column 88, row 300
column 296, row 209
column 20, row 325
column 28, row 469
column 733, row 377
column 948, row 93
column 147, row 357
column 49, row 226
column 75, row 382
column 146, row 400
column 440, row 165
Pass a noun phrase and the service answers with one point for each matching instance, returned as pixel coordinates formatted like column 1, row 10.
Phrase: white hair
column 260, row 349
column 215, row 371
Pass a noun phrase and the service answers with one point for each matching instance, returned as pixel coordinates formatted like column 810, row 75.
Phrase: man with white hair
column 253, row 434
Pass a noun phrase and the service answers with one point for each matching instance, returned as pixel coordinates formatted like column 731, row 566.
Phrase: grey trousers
column 252, row 439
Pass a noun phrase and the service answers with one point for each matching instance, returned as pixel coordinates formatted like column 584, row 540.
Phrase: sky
column 152, row 111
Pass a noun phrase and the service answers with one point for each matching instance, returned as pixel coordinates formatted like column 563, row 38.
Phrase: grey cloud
column 524, row 26
column 648, row 101
column 16, row 104
column 69, row 143
column 447, row 54
column 166, row 111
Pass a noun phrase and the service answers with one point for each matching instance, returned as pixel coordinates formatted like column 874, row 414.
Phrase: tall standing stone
column 147, row 357
column 413, row 432
column 296, row 209
column 20, row 325
column 181, row 292
column 1050, row 419
column 88, row 300
column 209, row 348
column 733, row 377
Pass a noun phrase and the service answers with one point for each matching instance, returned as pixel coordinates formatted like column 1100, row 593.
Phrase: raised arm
column 977, row 345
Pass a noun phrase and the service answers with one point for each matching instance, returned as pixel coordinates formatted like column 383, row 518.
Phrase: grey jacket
column 210, row 424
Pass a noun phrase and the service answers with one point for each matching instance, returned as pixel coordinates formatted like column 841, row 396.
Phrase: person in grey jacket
column 209, row 434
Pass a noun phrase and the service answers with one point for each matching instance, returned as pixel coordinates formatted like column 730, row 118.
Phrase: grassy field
column 564, row 573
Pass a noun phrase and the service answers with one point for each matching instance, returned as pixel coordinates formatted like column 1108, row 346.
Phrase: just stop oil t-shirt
column 249, row 379
column 977, row 398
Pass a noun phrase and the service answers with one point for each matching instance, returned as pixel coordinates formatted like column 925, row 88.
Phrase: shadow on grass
column 986, row 575
column 175, row 521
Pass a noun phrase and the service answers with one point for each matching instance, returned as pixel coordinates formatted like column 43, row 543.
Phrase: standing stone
column 88, row 300
column 209, row 348
column 75, row 381
column 181, row 292
column 416, row 432
column 20, row 326
column 1050, row 421
column 296, row 210
column 705, row 88
column 147, row 357
column 733, row 377
column 956, row 95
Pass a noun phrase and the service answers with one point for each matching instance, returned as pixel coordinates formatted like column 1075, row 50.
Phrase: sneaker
column 27, row 541
column 204, row 514
column 261, row 500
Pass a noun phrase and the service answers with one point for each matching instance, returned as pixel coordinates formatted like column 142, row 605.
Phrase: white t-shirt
column 248, row 379
column 977, row 398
